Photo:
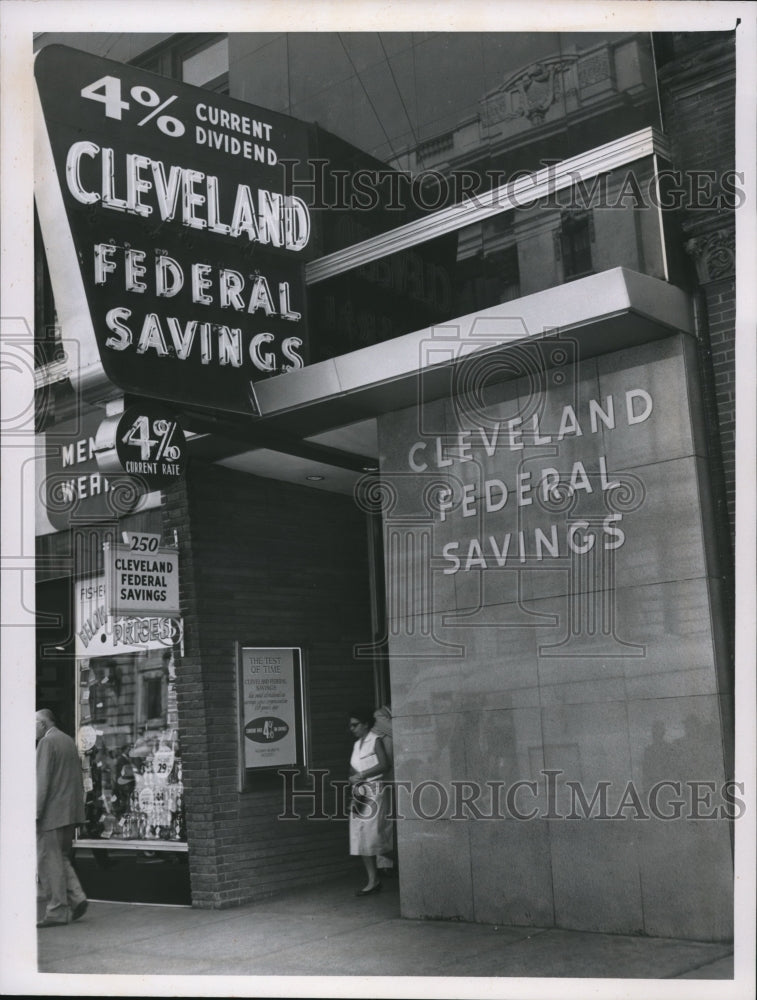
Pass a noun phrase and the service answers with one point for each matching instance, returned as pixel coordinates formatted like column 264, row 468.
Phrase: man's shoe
column 79, row 910
column 51, row 923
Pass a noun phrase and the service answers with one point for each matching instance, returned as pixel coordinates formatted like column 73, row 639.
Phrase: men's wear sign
column 270, row 698
column 76, row 488
column 165, row 214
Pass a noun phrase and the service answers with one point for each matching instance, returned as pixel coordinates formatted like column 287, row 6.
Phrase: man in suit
column 60, row 808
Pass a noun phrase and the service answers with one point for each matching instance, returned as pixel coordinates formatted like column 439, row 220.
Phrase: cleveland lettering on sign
column 142, row 584
column 168, row 223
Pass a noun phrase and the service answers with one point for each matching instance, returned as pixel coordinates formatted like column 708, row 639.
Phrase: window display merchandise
column 129, row 745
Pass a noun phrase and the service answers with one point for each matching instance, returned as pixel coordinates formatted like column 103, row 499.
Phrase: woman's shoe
column 369, row 892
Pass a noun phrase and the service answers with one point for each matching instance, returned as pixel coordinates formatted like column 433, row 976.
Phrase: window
column 208, row 66
column 487, row 279
column 200, row 60
column 127, row 723
column 573, row 245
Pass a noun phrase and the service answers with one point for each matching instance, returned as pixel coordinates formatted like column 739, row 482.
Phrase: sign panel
column 141, row 583
column 75, row 488
column 270, row 697
column 99, row 634
column 188, row 251
column 146, row 441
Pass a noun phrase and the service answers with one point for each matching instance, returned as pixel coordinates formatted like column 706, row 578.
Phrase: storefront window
column 128, row 727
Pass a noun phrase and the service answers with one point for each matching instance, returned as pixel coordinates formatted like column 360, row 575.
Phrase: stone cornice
column 504, row 198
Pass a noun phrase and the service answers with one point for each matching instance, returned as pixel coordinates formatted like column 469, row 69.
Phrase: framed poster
column 271, row 717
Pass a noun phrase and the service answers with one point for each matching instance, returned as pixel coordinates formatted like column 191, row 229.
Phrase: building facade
column 495, row 488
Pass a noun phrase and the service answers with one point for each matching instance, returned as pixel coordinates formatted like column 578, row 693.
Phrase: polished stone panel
column 657, row 642
column 499, row 669
column 685, row 850
column 657, row 535
column 662, row 534
column 511, row 882
column 424, row 685
column 434, row 858
column 496, row 668
column 595, row 868
column 397, row 432
column 505, row 746
column 490, row 597
column 660, row 369
column 586, row 743
column 714, row 540
column 580, row 692
column 588, row 639
column 414, row 585
column 688, row 864
column 559, row 400
column 430, row 755
column 674, row 625
column 728, row 724
column 479, row 435
column 676, row 739
column 660, row 644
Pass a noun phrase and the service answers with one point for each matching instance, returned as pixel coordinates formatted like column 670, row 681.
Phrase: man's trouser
column 56, row 874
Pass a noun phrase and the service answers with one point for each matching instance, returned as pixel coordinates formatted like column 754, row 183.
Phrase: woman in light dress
column 370, row 827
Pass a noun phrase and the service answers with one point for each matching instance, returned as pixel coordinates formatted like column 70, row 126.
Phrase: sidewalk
column 325, row 930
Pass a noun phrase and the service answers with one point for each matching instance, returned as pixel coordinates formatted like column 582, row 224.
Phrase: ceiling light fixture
column 314, row 479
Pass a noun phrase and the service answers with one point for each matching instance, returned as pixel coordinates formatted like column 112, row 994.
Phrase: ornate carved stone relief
column 714, row 253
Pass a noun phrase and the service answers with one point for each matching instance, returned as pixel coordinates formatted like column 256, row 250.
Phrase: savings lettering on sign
column 187, row 248
column 142, row 584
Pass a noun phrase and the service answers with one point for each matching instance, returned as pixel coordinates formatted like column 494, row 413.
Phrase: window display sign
column 140, row 582
column 176, row 251
column 99, row 634
column 270, row 700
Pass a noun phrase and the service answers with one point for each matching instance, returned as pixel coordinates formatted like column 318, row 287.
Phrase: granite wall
column 560, row 684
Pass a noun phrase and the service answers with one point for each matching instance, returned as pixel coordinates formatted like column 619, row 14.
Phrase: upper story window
column 208, row 66
column 573, row 245
column 200, row 60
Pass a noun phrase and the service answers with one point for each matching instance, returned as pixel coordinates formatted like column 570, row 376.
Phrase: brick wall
column 264, row 563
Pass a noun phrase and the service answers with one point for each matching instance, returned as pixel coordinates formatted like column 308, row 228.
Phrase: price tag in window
column 162, row 761
column 146, row 799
